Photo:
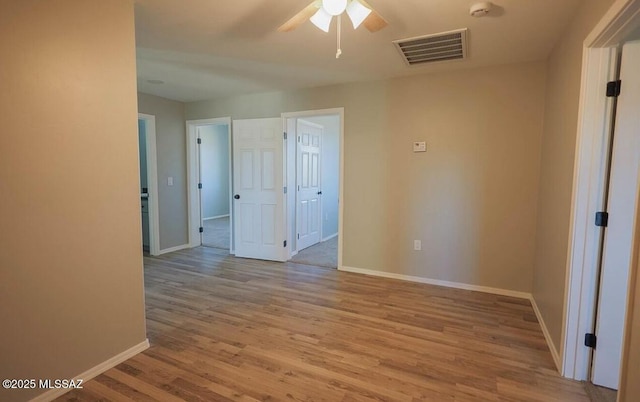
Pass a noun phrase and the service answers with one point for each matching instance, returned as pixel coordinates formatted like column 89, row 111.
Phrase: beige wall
column 172, row 162
column 71, row 289
column 556, row 175
column 471, row 198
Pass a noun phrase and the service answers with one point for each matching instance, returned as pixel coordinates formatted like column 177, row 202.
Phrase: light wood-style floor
column 223, row 328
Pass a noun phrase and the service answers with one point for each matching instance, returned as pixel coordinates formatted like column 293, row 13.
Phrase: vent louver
column 434, row 48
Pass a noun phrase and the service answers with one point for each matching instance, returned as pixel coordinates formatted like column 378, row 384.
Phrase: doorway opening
column 314, row 174
column 600, row 265
column 148, row 183
column 210, row 178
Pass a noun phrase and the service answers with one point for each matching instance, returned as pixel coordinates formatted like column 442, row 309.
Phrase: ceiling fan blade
column 300, row 18
column 374, row 21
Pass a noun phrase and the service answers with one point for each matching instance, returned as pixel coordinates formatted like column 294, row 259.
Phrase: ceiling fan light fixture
column 322, row 19
column 334, row 7
column 357, row 13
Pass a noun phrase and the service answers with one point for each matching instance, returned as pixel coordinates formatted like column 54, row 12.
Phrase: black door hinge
column 614, row 88
column 201, row 229
column 199, row 141
column 590, row 340
column 602, row 219
column 200, row 186
column 285, row 189
column 285, row 244
column 298, row 235
column 285, row 135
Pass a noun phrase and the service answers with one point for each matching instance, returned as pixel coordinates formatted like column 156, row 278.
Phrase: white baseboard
column 95, row 371
column 330, row 237
column 547, row 336
column 173, row 249
column 447, row 284
column 215, row 217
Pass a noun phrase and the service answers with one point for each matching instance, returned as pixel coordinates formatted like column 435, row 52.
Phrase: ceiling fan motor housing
column 334, row 7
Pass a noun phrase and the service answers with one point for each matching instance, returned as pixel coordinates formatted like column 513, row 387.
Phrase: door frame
column 314, row 113
column 297, row 211
column 599, row 54
column 152, row 182
column 193, row 177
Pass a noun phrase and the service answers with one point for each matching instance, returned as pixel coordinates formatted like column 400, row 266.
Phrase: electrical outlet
column 417, row 245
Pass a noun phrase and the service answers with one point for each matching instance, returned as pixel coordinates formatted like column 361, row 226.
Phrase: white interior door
column 308, row 181
column 619, row 233
column 258, row 165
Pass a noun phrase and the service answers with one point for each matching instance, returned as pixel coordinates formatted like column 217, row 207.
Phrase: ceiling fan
column 321, row 13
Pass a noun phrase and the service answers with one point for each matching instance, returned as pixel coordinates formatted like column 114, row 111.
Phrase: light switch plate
column 169, row 181
column 420, row 146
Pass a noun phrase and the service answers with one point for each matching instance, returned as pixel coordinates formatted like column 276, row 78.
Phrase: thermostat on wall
column 420, row 147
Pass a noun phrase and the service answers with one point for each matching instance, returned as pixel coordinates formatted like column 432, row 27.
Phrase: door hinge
column 199, row 141
column 298, row 235
column 602, row 219
column 200, row 186
column 201, row 229
column 614, row 88
column 285, row 244
column 298, row 138
column 285, row 135
column 285, row 189
column 590, row 340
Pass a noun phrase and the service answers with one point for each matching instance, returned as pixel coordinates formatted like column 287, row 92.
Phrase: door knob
column 237, row 196
column 319, row 192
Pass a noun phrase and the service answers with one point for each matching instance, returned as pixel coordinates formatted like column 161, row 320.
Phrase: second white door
column 309, row 195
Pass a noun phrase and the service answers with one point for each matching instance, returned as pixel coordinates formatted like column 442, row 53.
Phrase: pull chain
column 339, row 51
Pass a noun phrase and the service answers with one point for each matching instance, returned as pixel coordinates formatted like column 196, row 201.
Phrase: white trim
column 174, row 249
column 330, row 237
column 215, row 217
column 193, row 176
column 95, row 371
column 327, row 112
column 152, row 182
column 437, row 282
column 547, row 335
column 622, row 18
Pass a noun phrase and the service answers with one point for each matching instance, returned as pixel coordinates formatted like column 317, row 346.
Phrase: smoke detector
column 481, row 9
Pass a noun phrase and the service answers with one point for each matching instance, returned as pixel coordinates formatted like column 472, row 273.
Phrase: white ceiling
column 207, row 49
